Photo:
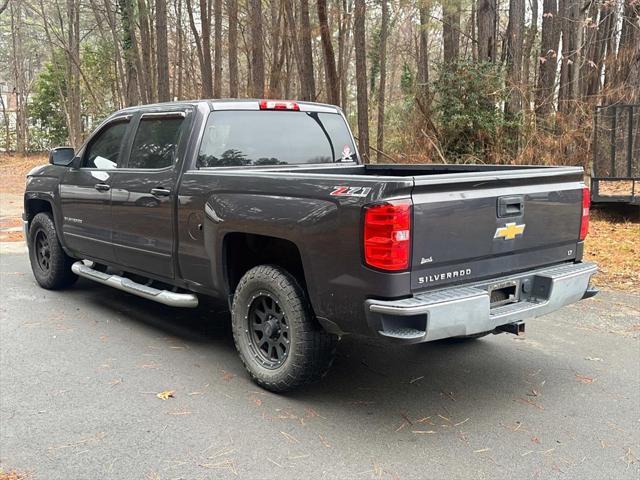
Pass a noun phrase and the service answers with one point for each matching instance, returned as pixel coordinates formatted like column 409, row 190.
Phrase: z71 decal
column 346, row 191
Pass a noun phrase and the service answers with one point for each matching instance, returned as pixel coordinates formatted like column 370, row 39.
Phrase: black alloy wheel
column 268, row 331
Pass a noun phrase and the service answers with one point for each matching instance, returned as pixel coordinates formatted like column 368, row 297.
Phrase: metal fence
column 615, row 173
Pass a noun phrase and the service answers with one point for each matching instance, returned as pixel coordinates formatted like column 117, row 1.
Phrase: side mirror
column 62, row 156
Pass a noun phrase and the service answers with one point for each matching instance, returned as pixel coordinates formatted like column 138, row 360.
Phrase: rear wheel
column 51, row 266
column 278, row 339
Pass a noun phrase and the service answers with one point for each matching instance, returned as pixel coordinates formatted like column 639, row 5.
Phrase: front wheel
column 278, row 339
column 51, row 266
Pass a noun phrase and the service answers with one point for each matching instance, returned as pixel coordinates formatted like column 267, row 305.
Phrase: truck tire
column 50, row 264
column 279, row 341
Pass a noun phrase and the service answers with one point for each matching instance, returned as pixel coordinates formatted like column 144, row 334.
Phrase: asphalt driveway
column 80, row 371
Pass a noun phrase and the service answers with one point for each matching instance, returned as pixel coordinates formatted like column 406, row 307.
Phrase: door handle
column 160, row 192
column 102, row 187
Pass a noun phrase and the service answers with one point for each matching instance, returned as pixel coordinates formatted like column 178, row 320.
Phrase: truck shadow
column 371, row 380
column 209, row 323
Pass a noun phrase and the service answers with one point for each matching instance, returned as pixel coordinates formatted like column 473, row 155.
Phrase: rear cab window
column 267, row 137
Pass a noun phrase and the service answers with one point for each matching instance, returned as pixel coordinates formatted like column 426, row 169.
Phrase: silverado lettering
column 444, row 276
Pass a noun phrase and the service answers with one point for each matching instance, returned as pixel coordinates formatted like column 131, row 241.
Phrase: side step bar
column 185, row 300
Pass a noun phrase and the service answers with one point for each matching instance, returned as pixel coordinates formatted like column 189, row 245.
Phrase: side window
column 156, row 142
column 104, row 151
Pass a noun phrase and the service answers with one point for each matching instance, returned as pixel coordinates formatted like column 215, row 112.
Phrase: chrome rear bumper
column 466, row 310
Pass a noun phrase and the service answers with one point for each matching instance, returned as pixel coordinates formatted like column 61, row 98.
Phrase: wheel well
column 36, row 206
column 243, row 251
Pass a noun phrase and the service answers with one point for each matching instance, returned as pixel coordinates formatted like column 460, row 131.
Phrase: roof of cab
column 230, row 104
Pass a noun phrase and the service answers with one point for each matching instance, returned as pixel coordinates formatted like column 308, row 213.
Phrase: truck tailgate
column 492, row 226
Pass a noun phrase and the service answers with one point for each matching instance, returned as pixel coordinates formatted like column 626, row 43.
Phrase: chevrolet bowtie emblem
column 509, row 231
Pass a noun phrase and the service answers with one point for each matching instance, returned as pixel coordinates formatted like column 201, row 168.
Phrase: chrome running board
column 185, row 300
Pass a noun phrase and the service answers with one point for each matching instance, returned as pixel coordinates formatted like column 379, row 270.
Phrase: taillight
column 584, row 221
column 387, row 235
column 278, row 105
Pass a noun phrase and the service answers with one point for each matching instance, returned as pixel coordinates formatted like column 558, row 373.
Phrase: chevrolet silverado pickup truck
column 266, row 206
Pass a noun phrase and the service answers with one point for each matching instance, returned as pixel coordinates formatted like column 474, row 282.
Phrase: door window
column 103, row 151
column 156, row 142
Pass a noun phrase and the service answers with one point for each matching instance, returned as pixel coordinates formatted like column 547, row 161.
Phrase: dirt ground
column 613, row 241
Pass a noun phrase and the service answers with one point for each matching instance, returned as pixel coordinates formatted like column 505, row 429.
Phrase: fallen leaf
column 584, row 379
column 166, row 394
column 226, row 376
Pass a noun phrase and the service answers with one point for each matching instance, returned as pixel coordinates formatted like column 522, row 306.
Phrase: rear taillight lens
column 387, row 235
column 584, row 221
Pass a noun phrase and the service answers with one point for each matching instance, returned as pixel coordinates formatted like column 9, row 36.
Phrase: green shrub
column 468, row 110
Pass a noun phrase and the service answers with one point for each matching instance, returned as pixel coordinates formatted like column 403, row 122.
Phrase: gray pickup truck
column 266, row 206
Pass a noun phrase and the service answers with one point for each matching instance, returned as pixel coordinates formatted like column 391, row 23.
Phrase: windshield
column 267, row 137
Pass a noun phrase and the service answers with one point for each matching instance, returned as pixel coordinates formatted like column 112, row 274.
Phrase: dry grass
column 614, row 243
column 612, row 188
column 13, row 170
column 14, row 475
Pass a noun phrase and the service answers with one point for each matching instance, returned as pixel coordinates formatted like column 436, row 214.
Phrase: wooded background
column 419, row 80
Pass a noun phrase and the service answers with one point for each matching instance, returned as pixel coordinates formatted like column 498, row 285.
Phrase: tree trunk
column 207, row 73
column 145, row 78
column 129, row 51
column 343, row 51
column 548, row 61
column 569, row 14
column 450, row 32
column 110, row 15
column 628, row 51
column 333, row 87
column 257, row 49
column 308, row 80
column 610, row 57
column 232, row 12
column 203, row 44
column 279, row 47
column 423, row 53
column 514, row 45
column 359, row 38
column 295, row 47
column 73, row 74
column 595, row 65
column 217, row 47
column 7, row 125
column 486, row 26
column 529, row 41
column 162, row 51
column 382, row 60
column 19, row 80
column 177, row 92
